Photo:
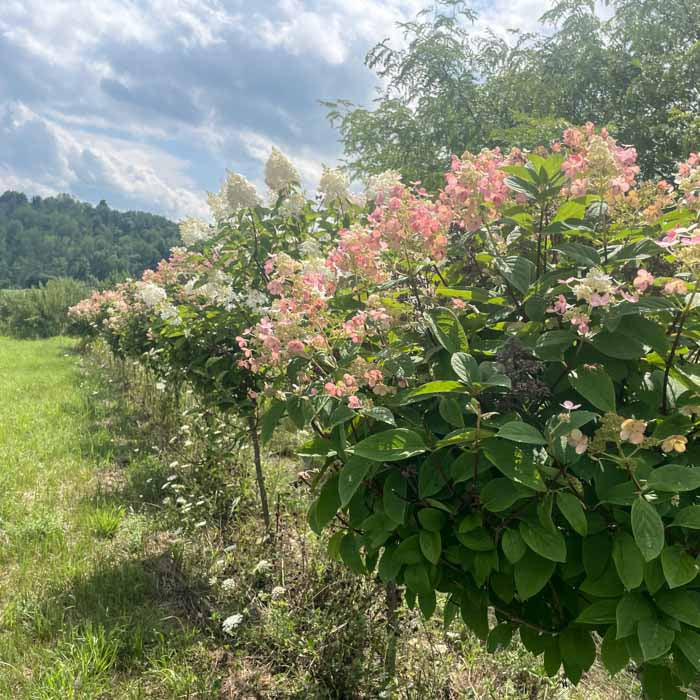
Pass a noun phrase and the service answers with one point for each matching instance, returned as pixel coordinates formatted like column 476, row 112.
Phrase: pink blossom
column 675, row 286
column 570, row 405
column 560, row 306
column 643, row 280
column 354, row 402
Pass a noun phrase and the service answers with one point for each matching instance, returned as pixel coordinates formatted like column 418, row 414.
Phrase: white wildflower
column 193, row 231
column 279, row 172
column 382, row 183
column 240, row 194
column 262, row 567
column 228, row 585
column 151, row 294
column 230, row 623
column 278, row 592
column 293, row 204
column 333, row 186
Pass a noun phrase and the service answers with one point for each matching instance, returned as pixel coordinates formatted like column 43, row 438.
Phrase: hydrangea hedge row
column 502, row 378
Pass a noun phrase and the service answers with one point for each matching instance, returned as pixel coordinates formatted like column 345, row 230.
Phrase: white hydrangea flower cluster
column 333, row 186
column 293, row 204
column 310, row 248
column 218, row 206
column 255, row 300
column 240, row 194
column 193, row 231
column 168, row 313
column 382, row 183
column 151, row 294
column 280, row 174
column 217, row 289
column 595, row 283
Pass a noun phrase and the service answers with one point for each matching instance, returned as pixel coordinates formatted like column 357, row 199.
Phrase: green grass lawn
column 81, row 612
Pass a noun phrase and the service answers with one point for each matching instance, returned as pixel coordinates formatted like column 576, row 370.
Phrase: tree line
column 45, row 238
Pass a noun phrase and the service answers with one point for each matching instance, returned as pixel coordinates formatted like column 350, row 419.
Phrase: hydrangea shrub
column 504, row 383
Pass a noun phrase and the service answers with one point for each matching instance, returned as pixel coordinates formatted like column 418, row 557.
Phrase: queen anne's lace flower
column 280, row 174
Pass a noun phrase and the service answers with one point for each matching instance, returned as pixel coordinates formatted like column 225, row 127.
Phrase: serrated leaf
column 394, row 496
column 390, row 445
column 613, row 652
column 595, row 386
column 572, row 509
column 465, row 367
column 599, row 613
column 628, row 560
column 531, row 574
column 631, row 608
column 499, row 494
column 513, row 545
column 549, row 544
column 517, row 431
column 688, row 517
column 648, row 529
column 679, row 567
column 683, row 605
column 431, row 545
column 351, row 476
column 675, row 478
column 655, row 639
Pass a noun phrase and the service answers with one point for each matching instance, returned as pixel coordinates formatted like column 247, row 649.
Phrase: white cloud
column 58, row 160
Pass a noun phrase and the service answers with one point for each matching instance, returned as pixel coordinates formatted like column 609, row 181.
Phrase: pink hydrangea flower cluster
column 476, row 189
column 688, row 181
column 596, row 163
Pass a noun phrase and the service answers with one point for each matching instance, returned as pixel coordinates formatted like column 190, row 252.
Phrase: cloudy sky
column 145, row 103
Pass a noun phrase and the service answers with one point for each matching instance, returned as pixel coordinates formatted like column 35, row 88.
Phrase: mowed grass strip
column 80, row 611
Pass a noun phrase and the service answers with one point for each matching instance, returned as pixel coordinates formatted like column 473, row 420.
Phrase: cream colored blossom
column 293, row 204
column 333, row 186
column 383, row 183
column 578, row 441
column 218, row 206
column 193, row 231
column 633, row 431
column 675, row 443
column 280, row 174
column 239, row 193
column 596, row 285
column 151, row 294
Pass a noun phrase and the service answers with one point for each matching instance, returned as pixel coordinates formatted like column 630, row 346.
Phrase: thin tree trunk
column 260, row 478
column 392, row 605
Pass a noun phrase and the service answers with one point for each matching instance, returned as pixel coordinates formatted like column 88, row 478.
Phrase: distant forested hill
column 49, row 237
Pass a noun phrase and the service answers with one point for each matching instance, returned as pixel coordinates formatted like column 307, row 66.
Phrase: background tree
column 59, row 236
column 449, row 89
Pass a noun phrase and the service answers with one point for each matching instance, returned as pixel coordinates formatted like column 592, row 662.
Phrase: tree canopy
column 43, row 238
column 449, row 89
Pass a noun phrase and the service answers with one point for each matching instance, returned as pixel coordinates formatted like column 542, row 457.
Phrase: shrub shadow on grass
column 136, row 603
